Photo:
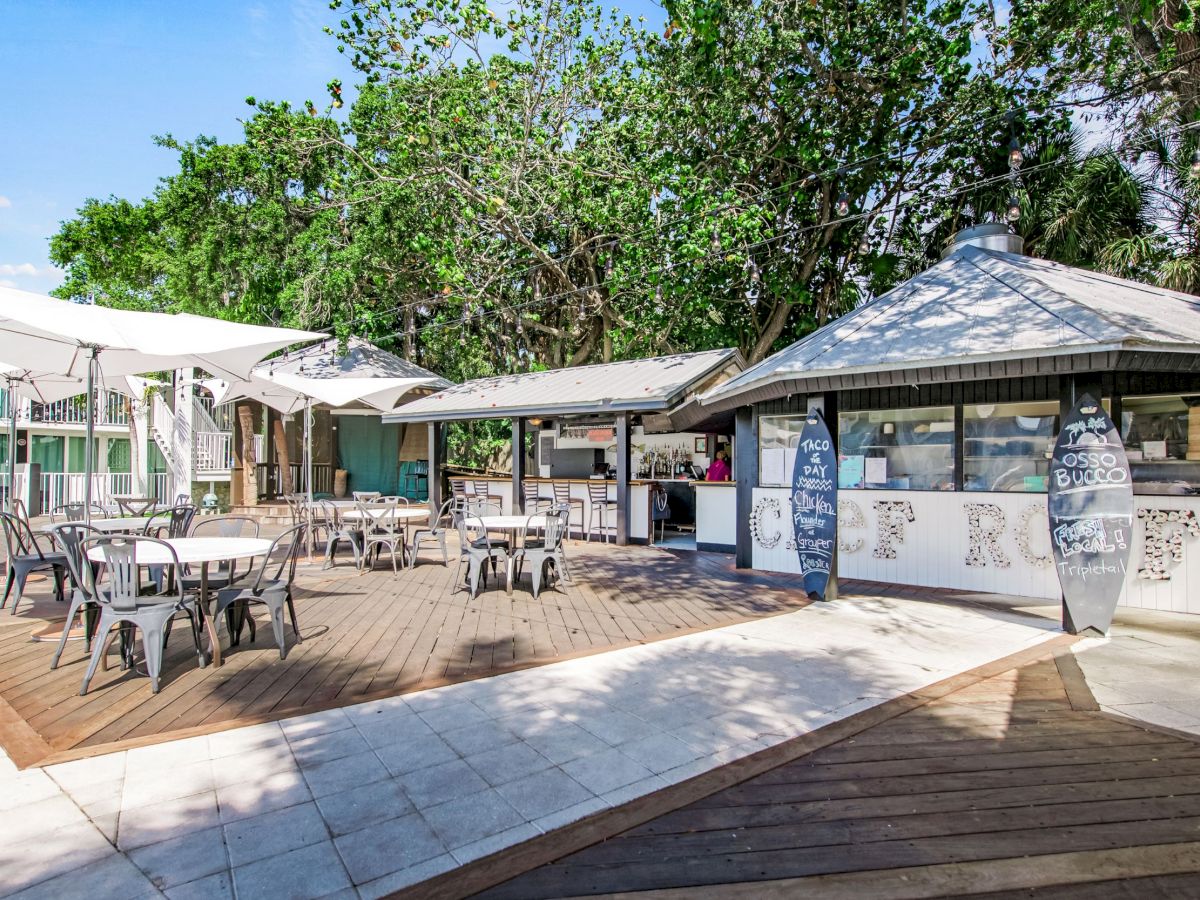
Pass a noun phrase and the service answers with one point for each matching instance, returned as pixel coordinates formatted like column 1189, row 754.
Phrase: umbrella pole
column 12, row 447
column 90, row 437
column 308, row 468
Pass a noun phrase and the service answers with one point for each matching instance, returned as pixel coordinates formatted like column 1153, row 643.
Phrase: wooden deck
column 365, row 637
column 1013, row 787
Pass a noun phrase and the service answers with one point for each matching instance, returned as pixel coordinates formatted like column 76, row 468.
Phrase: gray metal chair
column 135, row 506
column 547, row 550
column 272, row 588
column 70, row 537
column 25, row 556
column 381, row 529
column 222, row 574
column 483, row 491
column 365, row 495
column 340, row 531
column 477, row 548
column 123, row 601
column 171, row 523
column 435, row 531
column 74, row 512
column 599, row 505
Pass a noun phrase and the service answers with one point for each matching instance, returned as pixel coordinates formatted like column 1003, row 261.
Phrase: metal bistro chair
column 222, row 574
column 381, row 529
column 531, row 492
column 365, row 495
column 547, row 550
column 562, row 497
column 124, row 603
column 135, row 506
column 340, row 531
column 600, row 505
column 175, row 522
column 272, row 588
column 477, row 548
column 458, row 490
column 70, row 536
column 26, row 555
column 74, row 512
column 434, row 532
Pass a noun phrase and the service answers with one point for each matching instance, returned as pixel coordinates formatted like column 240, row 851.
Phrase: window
column 777, row 440
column 898, row 449
column 118, row 455
column 1162, row 440
column 1007, row 446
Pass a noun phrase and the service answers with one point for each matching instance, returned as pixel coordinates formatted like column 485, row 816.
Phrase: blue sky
column 88, row 82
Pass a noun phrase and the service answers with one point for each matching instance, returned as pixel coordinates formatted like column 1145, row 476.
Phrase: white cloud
column 19, row 269
column 4, row 282
column 5, row 203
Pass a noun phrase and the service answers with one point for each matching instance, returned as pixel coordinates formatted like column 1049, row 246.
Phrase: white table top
column 400, row 512
column 502, row 523
column 108, row 526
column 196, row 550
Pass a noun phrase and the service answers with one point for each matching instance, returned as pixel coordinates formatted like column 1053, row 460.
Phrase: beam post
column 623, row 445
column 518, row 464
column 436, row 449
column 745, row 473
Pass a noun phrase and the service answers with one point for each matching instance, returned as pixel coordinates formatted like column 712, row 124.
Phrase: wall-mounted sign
column 1090, row 505
column 814, row 504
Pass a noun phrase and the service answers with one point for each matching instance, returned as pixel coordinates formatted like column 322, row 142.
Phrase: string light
column 1015, row 156
column 1013, row 213
column 1196, row 162
column 843, row 204
column 864, row 245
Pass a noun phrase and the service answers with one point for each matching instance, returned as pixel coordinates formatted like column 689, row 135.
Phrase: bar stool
column 598, row 502
column 562, row 497
column 531, row 492
column 416, row 480
column 483, row 492
column 458, row 490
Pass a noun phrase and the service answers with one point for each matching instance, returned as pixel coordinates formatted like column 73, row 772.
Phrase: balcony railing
column 110, row 410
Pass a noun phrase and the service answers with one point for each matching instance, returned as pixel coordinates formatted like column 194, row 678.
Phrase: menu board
column 814, row 504
column 1090, row 503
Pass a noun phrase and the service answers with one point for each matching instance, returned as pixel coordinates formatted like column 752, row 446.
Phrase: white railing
column 68, row 487
column 215, row 418
column 160, row 486
column 214, row 451
column 110, row 410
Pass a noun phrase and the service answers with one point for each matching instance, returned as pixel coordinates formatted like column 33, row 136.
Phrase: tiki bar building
column 944, row 398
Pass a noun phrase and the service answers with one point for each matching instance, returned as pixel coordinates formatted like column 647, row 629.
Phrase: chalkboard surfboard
column 814, row 504
column 1090, row 505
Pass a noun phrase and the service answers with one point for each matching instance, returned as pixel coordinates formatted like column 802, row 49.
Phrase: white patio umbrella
column 80, row 340
column 364, row 375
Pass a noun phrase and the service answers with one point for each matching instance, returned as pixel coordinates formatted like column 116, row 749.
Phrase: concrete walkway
column 1147, row 669
column 368, row 799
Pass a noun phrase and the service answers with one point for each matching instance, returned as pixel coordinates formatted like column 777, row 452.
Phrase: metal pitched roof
column 633, row 385
column 979, row 305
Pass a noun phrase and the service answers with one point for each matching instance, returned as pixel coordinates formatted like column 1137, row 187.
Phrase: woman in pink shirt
column 719, row 470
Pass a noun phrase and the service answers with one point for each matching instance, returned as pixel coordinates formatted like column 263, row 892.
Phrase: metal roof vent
column 989, row 236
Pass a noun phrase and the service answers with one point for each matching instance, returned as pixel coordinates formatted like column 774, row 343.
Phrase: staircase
column 168, row 433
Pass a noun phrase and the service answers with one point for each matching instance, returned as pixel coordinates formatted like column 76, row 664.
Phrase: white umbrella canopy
column 76, row 340
column 56, row 336
column 364, row 374
column 277, row 396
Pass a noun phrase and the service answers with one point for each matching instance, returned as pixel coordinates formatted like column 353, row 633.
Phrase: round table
column 511, row 524
column 108, row 526
column 397, row 514
column 199, row 551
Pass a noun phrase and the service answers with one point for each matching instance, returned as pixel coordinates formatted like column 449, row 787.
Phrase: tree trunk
column 281, row 453
column 249, row 461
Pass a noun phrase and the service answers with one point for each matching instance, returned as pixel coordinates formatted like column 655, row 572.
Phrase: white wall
column 716, row 513
column 935, row 544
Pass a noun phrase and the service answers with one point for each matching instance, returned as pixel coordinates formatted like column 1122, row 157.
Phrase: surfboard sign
column 814, row 504
column 1090, row 506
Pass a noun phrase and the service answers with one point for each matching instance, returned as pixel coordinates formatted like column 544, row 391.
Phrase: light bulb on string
column 1196, row 162
column 608, row 266
column 715, row 243
column 1015, row 156
column 864, row 245
column 1013, row 213
column 658, row 296
column 843, row 204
